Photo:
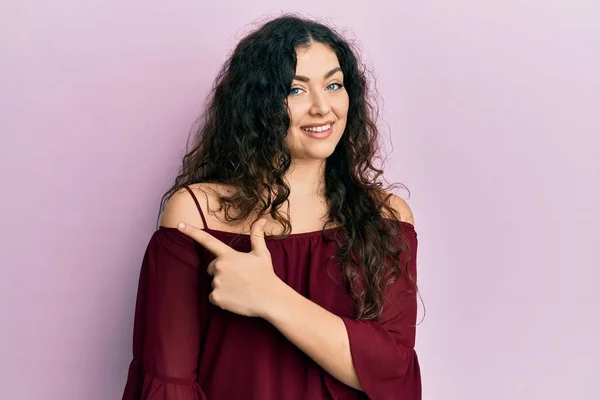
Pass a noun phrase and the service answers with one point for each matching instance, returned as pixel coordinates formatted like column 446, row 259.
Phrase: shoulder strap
column 197, row 205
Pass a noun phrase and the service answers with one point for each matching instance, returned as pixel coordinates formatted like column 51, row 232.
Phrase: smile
column 318, row 132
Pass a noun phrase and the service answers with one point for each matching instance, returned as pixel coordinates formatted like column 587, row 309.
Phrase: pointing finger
column 204, row 238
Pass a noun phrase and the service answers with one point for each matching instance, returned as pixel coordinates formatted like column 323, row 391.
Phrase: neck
column 306, row 177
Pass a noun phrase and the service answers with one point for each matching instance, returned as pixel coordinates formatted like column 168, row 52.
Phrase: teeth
column 318, row 128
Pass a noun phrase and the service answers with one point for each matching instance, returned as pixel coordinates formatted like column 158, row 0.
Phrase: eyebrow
column 327, row 75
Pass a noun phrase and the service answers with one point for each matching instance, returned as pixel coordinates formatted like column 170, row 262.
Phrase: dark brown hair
column 240, row 142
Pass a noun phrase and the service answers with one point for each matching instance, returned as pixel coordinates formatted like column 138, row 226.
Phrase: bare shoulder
column 401, row 209
column 181, row 207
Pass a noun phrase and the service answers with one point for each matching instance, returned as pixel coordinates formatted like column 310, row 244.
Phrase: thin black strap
column 198, row 205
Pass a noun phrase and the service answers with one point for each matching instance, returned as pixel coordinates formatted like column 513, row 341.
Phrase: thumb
column 257, row 238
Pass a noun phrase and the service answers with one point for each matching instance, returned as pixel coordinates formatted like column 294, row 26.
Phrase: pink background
column 494, row 114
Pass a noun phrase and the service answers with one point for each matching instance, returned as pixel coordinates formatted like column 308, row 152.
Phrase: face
column 317, row 103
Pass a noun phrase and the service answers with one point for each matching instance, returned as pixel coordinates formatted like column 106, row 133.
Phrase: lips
column 317, row 128
column 321, row 131
column 320, row 123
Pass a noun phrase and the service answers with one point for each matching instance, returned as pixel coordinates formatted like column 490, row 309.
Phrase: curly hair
column 240, row 142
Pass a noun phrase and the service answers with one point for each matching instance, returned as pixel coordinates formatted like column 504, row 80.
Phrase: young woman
column 281, row 270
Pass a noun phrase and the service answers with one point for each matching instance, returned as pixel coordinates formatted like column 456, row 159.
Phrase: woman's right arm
column 168, row 322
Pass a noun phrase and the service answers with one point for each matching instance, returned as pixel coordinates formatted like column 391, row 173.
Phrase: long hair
column 240, row 142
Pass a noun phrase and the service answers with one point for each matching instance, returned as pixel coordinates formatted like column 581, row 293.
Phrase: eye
column 335, row 86
column 295, row 91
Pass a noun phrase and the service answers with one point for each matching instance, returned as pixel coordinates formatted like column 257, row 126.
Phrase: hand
column 243, row 283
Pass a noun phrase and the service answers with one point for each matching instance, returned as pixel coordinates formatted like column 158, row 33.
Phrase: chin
column 320, row 156
column 319, row 151
column 313, row 154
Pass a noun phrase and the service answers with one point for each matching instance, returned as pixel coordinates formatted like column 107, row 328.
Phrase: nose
column 320, row 105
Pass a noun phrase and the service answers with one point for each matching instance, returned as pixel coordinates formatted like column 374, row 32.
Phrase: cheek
column 295, row 111
column 292, row 136
column 340, row 107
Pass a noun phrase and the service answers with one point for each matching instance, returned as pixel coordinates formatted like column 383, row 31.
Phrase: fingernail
column 181, row 226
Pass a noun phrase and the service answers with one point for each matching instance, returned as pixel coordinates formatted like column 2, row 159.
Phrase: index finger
column 204, row 238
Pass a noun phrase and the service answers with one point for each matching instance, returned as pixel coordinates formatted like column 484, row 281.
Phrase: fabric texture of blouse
column 185, row 348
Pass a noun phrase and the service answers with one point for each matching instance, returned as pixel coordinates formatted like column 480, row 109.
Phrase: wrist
column 275, row 301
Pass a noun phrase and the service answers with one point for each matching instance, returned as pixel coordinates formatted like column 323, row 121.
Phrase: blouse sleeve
column 383, row 351
column 168, row 321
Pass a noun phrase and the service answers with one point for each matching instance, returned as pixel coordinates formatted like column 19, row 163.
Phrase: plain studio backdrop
column 491, row 117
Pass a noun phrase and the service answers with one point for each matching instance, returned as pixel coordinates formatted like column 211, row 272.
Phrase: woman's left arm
column 376, row 357
column 319, row 333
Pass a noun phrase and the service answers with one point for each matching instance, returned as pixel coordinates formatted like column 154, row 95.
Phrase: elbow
column 355, row 384
column 403, row 361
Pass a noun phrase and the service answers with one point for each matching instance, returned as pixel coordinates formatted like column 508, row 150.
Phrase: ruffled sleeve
column 168, row 321
column 383, row 351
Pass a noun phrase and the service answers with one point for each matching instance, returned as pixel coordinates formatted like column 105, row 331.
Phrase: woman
column 281, row 269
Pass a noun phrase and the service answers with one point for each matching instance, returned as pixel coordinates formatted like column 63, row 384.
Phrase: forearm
column 319, row 333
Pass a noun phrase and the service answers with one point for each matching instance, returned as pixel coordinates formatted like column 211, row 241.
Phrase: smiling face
column 317, row 103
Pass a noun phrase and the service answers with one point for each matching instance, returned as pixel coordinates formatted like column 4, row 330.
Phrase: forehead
column 315, row 60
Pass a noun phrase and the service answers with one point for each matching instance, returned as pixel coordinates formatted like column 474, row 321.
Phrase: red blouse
column 185, row 348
